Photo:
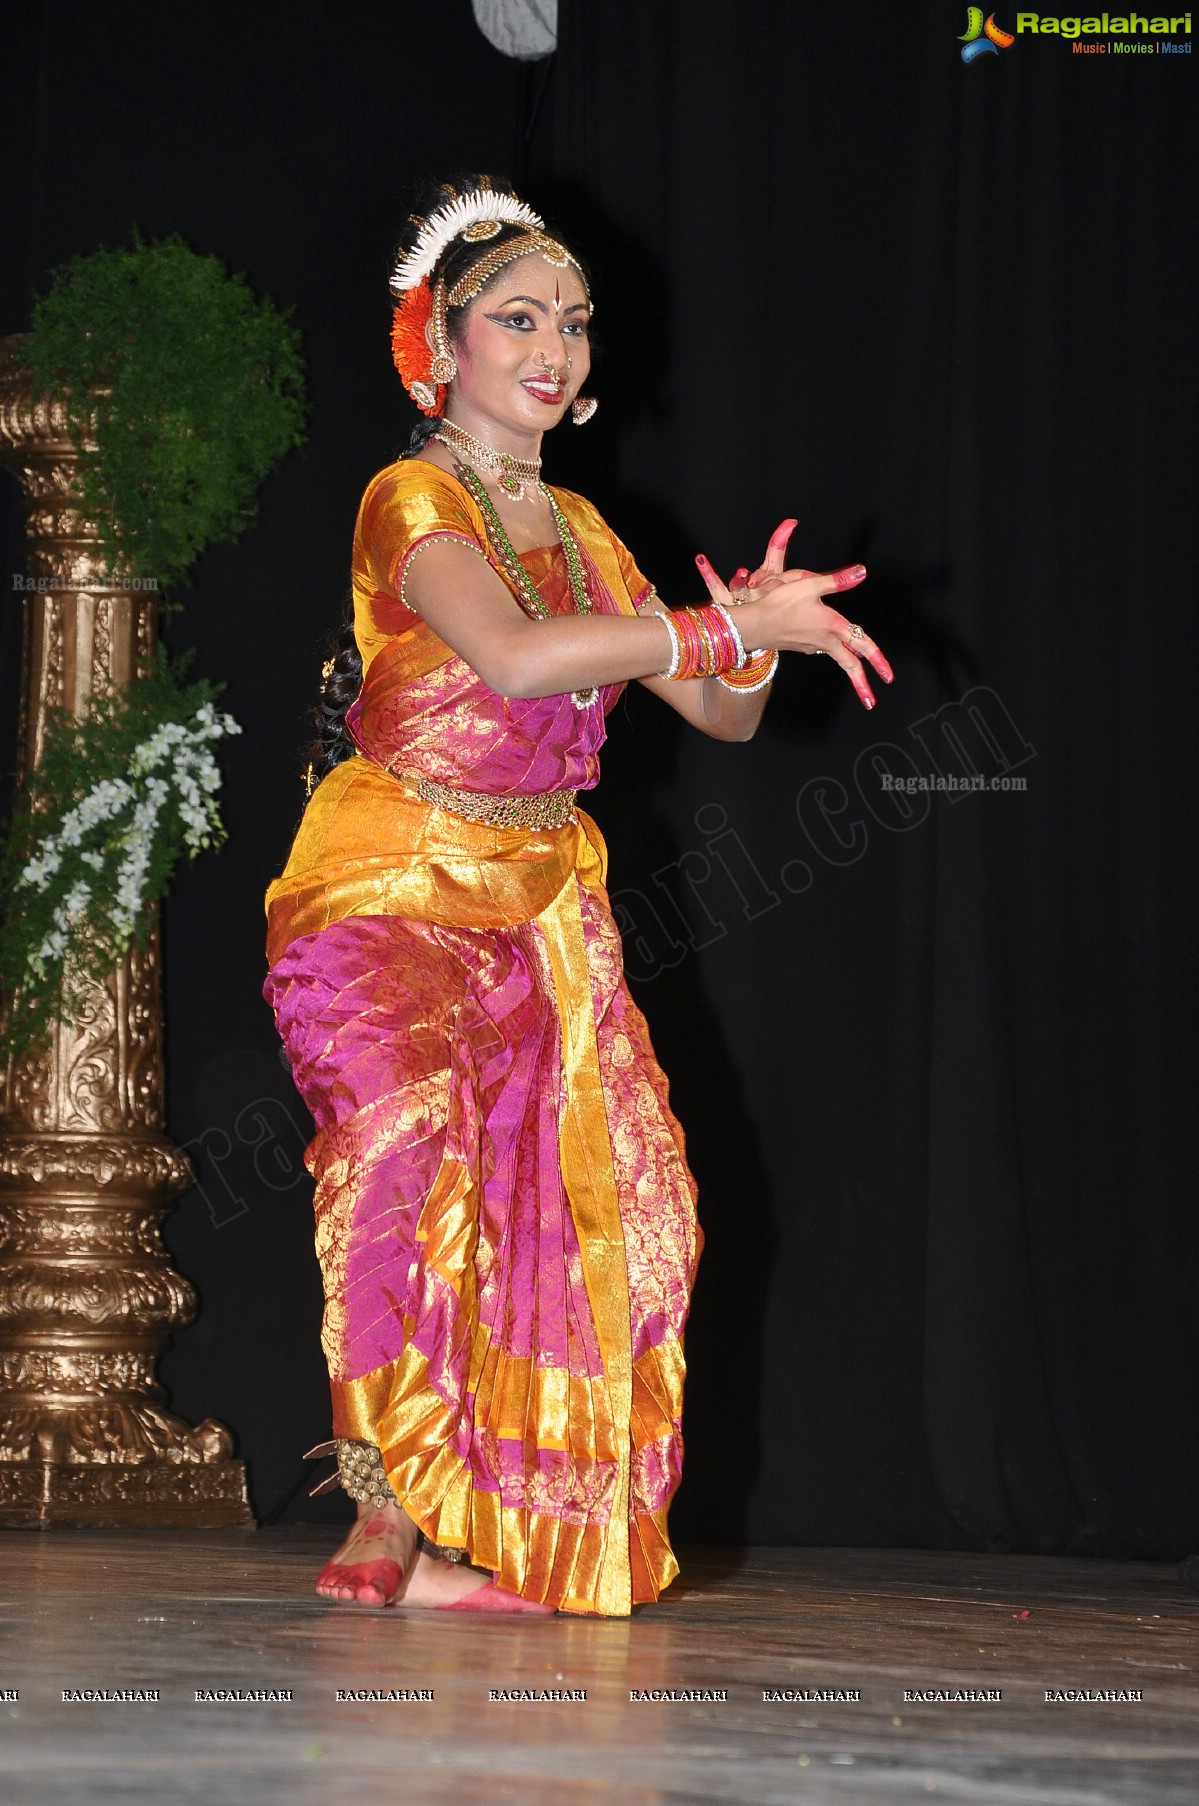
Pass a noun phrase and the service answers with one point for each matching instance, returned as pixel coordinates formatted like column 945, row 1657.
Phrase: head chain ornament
column 528, row 244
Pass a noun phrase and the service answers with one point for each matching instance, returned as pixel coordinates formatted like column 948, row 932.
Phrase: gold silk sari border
column 505, row 1385
column 587, row 1171
column 395, row 853
column 534, row 1553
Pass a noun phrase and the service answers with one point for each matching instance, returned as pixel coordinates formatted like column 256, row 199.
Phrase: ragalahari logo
column 982, row 38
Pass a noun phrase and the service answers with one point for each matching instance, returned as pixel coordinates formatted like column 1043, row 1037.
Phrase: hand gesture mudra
column 789, row 614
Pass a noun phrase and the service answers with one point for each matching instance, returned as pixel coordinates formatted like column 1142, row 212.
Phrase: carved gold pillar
column 87, row 1293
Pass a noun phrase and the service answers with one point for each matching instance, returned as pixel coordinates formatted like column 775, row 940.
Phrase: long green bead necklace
column 506, row 555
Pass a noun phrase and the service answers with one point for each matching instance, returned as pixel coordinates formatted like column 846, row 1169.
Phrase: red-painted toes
column 361, row 1582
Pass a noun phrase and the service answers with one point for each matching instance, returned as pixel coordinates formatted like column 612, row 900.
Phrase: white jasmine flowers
column 167, row 798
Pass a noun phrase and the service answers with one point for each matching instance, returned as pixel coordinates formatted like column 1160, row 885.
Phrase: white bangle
column 675, row 647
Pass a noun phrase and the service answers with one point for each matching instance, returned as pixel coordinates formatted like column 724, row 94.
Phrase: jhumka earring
column 443, row 368
column 582, row 409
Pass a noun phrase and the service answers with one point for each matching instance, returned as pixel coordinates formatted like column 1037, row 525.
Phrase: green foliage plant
column 191, row 386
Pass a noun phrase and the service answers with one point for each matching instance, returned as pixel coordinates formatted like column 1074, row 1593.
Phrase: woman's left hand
column 772, row 565
column 744, row 583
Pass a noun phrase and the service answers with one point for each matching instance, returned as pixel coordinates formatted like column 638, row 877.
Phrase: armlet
column 429, row 539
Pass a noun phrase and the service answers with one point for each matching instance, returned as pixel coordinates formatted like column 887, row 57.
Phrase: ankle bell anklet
column 428, row 1547
column 361, row 1474
column 360, row 1471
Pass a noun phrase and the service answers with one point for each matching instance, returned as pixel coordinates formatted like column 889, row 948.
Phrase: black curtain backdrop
column 932, row 1050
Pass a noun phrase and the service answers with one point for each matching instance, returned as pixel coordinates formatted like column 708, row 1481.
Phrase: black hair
column 332, row 742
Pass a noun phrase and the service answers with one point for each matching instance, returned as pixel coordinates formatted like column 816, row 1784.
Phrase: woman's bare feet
column 449, row 1586
column 378, row 1564
column 371, row 1566
column 437, row 1583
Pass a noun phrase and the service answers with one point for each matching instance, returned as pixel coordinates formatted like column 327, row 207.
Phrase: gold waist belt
column 541, row 809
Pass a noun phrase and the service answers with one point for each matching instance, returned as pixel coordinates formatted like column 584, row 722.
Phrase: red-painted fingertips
column 739, row 576
column 852, row 574
column 702, row 562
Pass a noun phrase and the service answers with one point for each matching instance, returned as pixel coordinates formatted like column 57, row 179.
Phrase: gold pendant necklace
column 515, row 474
column 507, row 557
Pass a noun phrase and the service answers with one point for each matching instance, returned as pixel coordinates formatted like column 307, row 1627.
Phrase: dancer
column 505, row 1217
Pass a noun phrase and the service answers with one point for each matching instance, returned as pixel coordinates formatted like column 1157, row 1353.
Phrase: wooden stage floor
column 187, row 1612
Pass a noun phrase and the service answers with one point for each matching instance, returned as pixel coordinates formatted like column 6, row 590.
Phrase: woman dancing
column 505, row 1217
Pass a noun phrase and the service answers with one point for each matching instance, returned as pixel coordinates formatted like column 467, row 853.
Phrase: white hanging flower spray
column 115, row 800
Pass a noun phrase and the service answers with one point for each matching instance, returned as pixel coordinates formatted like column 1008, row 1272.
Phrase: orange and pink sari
column 505, row 1217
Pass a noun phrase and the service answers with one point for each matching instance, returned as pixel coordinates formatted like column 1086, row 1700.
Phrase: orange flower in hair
column 410, row 348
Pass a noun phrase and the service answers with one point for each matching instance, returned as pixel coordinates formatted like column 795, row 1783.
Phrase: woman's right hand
column 785, row 610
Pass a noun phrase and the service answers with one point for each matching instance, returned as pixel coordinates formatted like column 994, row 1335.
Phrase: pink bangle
column 692, row 645
column 710, row 643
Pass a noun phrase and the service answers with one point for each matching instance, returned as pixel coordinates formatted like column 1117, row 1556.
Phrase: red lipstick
column 545, row 389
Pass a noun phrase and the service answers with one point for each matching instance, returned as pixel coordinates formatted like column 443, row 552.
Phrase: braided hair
column 341, row 674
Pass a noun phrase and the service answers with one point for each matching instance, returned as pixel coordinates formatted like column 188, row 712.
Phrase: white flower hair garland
column 445, row 223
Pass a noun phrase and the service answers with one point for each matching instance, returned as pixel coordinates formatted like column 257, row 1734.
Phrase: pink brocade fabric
column 411, row 1042
column 451, row 727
